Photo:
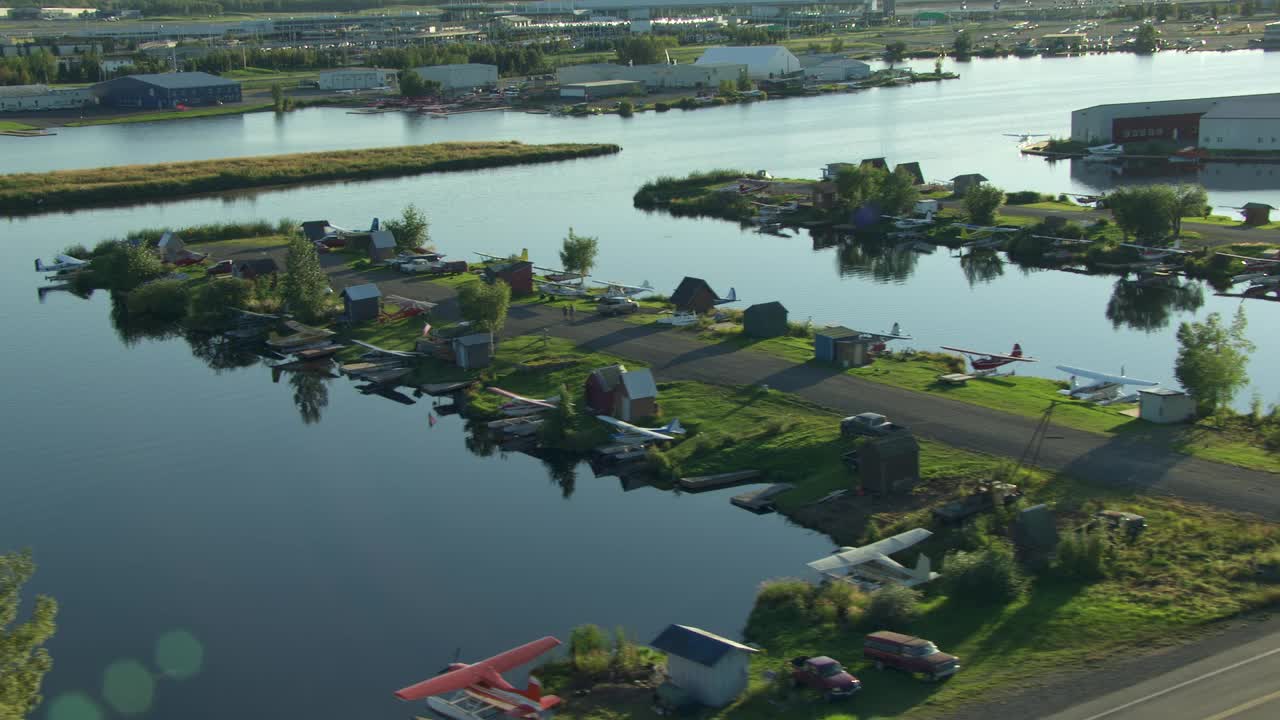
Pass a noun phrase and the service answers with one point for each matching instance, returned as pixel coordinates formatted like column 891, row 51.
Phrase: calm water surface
column 320, row 565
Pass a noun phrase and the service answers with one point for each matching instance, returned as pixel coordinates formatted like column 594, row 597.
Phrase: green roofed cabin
column 765, row 320
column 709, row 668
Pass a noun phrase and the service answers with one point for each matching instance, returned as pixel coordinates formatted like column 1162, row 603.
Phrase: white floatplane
column 911, row 223
column 564, row 290
column 870, row 567
column 1024, row 138
column 619, row 290
column 1105, row 388
column 1108, row 150
column 635, row 432
column 679, row 319
column 479, row 692
column 62, row 265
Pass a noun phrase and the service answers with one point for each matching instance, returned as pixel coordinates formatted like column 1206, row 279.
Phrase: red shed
column 516, row 273
column 624, row 394
column 694, row 294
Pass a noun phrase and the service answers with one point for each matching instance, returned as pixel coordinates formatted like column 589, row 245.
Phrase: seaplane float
column 1105, row 389
column 479, row 692
column 62, row 266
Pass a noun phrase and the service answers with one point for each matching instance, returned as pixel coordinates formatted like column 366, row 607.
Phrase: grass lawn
column 219, row 247
column 11, row 125
column 175, row 115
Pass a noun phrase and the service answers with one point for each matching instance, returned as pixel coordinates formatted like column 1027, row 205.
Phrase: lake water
column 321, row 565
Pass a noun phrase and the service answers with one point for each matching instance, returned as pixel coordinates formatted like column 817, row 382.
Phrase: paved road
column 1126, row 459
column 1232, row 674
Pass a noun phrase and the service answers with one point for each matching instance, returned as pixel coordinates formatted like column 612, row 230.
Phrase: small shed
column 889, row 464
column 962, row 184
column 473, row 351
column 765, row 320
column 171, row 248
column 1164, row 405
column 711, row 668
column 826, row 338
column 825, row 195
column 624, row 394
column 1035, row 531
column 912, row 169
column 877, row 163
column 382, row 245
column 255, row 268
column 516, row 273
column 361, row 302
column 695, row 295
column 1256, row 213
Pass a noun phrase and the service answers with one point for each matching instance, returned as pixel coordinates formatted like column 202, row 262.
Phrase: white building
column 35, row 98
column 1162, row 405
column 1242, row 124
column 356, row 78
column 763, row 62
column 712, row 669
column 820, row 68
column 1166, row 119
column 458, row 78
column 654, row 77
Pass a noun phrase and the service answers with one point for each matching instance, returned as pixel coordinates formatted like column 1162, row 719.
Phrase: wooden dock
column 715, row 482
column 437, row 389
column 760, row 501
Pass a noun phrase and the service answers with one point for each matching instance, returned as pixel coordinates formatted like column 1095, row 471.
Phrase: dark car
column 824, row 674
column 618, row 306
column 909, row 654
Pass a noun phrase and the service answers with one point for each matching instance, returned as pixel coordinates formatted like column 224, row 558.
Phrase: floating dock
column 437, row 389
column 760, row 501
column 714, row 482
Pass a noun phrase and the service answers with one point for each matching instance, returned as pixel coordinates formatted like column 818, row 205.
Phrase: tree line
column 510, row 60
column 222, row 7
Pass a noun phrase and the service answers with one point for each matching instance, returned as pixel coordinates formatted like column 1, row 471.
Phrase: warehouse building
column 1245, row 124
column 167, row 90
column 356, row 78
column 1175, row 120
column 600, row 89
column 764, row 62
column 826, row 67
column 653, row 77
column 460, row 78
column 33, row 98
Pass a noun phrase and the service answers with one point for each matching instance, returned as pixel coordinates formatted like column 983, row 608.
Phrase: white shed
column 763, row 62
column 456, row 78
column 1162, row 405
column 171, row 247
column 710, row 668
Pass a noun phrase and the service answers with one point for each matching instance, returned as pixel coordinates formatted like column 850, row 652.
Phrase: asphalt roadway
column 1230, row 674
column 1128, row 459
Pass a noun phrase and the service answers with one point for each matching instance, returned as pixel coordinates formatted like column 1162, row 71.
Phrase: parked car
column 618, row 306
column 222, row 267
column 909, row 654
column 825, row 675
column 868, row 423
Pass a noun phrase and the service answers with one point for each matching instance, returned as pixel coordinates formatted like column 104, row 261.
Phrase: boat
column 679, row 319
column 1112, row 149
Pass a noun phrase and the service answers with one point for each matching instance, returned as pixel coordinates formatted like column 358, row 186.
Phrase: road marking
column 1245, row 706
column 1183, row 684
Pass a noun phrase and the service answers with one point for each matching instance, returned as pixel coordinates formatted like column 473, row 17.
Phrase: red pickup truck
column 824, row 674
column 909, row 654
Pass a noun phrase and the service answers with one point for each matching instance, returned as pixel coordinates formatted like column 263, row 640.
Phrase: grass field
column 11, row 125
column 24, row 192
column 174, row 115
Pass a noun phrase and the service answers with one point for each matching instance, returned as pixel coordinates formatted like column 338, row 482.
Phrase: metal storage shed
column 361, row 302
column 473, row 351
column 711, row 668
column 382, row 245
column 1164, row 405
column 765, row 320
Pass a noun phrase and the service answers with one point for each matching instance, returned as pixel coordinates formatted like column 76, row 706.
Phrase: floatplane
column 985, row 364
column 1024, row 138
column 62, row 265
column 614, row 289
column 564, row 290
column 635, row 433
column 1104, row 389
column 993, row 236
column 479, row 692
column 870, row 568
column 910, row 223
column 524, row 255
column 1148, row 253
column 520, row 405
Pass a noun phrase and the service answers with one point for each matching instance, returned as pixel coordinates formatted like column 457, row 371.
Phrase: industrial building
column 1175, row 120
column 711, row 669
column 825, row 67
column 764, row 62
column 600, row 89
column 167, row 90
column 653, row 77
column 356, row 78
column 460, row 78
column 34, row 98
column 1270, row 37
column 1244, row 124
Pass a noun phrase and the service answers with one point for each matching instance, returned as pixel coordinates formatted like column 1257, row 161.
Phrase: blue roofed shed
column 711, row 668
column 362, row 302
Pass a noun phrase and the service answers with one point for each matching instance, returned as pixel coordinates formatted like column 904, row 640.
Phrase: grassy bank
column 174, row 115
column 696, row 195
column 68, row 189
column 7, row 125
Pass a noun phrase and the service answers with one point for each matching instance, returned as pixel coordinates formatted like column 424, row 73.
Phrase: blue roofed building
column 167, row 90
column 709, row 668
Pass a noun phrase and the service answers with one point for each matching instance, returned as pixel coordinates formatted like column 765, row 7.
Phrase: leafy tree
column 1211, row 360
column 412, row 230
column 837, row 45
column 892, row 606
column 1145, row 212
column 1147, row 40
column 412, row 85
column 277, row 96
column 858, row 185
column 937, row 65
column 556, row 424
column 578, row 253
column 306, row 286
column 744, row 81
column 1188, row 201
column 895, row 52
column 963, row 45
column 728, row 88
column 486, row 305
column 898, row 193
column 643, row 49
column 981, row 202
column 23, row 659
column 626, row 109
column 164, row 300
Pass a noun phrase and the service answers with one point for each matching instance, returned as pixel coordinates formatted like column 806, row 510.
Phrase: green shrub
column 626, row 109
column 121, row 267
column 1272, row 440
column 159, row 300
column 77, row 251
column 661, row 107
column 1082, row 555
column 987, row 575
column 1024, row 197
column 210, row 305
column 843, row 599
column 587, row 639
column 687, row 103
column 784, row 594
column 892, row 606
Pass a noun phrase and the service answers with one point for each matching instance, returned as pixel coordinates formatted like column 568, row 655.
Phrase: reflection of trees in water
column 876, row 260
column 310, row 394
column 1148, row 308
column 131, row 329
column 981, row 266
column 562, row 469
column 480, row 441
column 220, row 353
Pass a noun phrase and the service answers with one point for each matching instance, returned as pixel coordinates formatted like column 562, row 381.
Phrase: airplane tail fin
column 674, row 427
column 524, row 254
column 373, row 226
column 39, row 266
column 732, row 296
column 924, row 567
column 1017, row 350
column 534, row 689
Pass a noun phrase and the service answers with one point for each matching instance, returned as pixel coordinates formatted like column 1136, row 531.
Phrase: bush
column 1272, row 440
column 784, row 594
column 77, row 251
column 1024, row 197
column 661, row 107
column 659, row 464
column 210, row 306
column 893, row 606
column 842, row 599
column 121, row 266
column 687, row 103
column 626, row 109
column 586, row 639
column 991, row 574
column 1081, row 555
column 160, row 300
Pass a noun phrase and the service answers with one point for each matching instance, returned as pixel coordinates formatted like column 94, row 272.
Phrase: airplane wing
column 1103, row 377
column 997, row 356
column 632, row 429
column 520, row 398
column 451, row 681
column 375, row 348
column 524, row 654
column 70, row 260
column 848, row 559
